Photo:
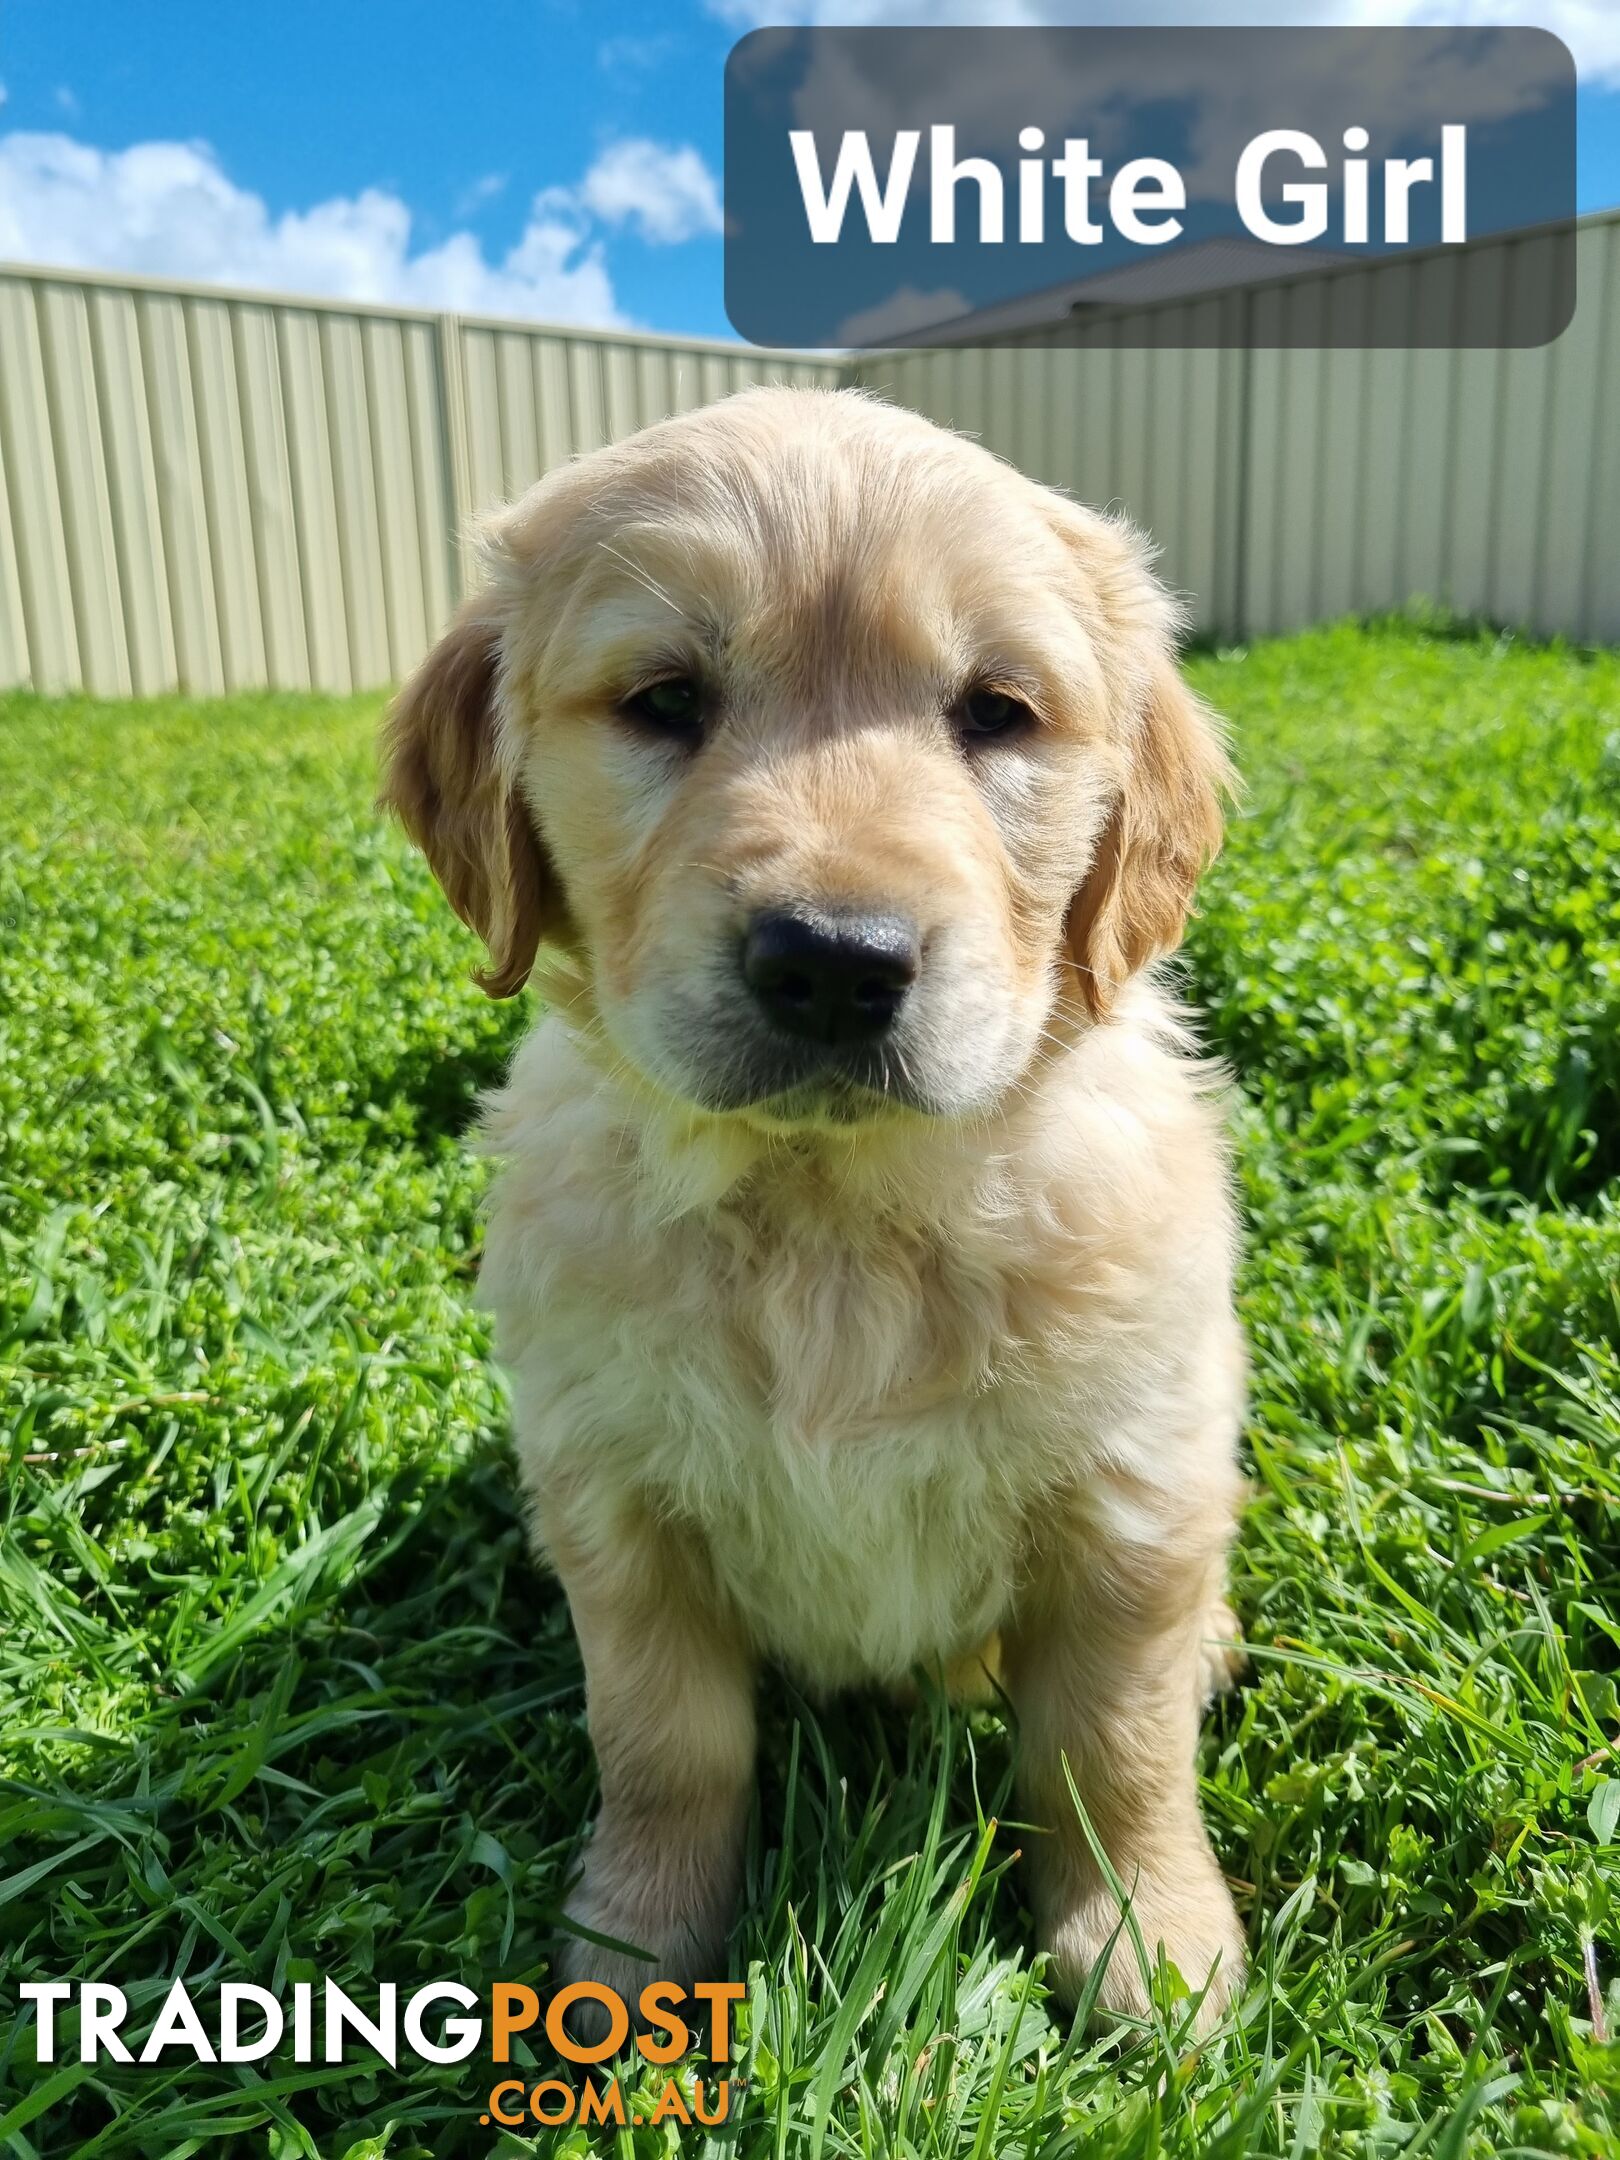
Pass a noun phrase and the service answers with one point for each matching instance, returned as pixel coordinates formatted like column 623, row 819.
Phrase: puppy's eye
column 673, row 706
column 984, row 714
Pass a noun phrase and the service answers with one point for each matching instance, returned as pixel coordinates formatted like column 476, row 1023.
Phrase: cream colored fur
column 851, row 1381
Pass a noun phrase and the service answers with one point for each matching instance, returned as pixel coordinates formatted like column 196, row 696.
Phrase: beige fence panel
column 1486, row 480
column 37, row 540
column 535, row 398
column 182, row 500
column 221, row 445
column 392, row 445
column 314, row 491
column 81, row 476
column 433, row 488
column 214, row 491
column 126, row 434
column 359, row 534
column 1300, row 479
column 268, row 456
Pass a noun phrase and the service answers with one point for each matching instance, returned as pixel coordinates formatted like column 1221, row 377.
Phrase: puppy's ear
column 1164, row 823
column 1165, row 827
column 443, row 779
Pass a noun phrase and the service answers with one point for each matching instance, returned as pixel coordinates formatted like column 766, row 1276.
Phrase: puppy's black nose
column 831, row 978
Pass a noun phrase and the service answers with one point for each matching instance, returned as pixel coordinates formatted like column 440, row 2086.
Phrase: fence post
column 457, row 451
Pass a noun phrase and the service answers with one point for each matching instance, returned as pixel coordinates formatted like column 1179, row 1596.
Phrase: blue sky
column 535, row 157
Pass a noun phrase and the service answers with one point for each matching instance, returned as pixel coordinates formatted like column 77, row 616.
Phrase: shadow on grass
column 390, row 1781
column 432, row 1093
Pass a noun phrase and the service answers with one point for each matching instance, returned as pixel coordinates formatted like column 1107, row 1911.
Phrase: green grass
column 281, row 1694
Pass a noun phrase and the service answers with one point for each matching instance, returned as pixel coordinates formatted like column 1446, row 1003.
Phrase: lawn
column 282, row 1695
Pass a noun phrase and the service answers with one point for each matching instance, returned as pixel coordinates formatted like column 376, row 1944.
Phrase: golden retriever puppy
column 862, row 1250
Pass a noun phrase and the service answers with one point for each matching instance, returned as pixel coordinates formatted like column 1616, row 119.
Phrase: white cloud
column 478, row 192
column 1590, row 28
column 635, row 55
column 168, row 209
column 667, row 195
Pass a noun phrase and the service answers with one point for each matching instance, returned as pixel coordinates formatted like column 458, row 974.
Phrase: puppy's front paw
column 577, row 1959
column 672, row 1907
column 1187, row 1910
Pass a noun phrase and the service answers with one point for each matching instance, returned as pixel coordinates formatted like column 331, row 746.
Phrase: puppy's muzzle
column 832, row 979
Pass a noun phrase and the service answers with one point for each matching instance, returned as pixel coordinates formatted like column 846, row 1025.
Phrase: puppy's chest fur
column 856, row 1410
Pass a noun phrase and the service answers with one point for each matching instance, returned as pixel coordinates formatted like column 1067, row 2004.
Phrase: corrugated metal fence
column 1289, row 485
column 216, row 491
column 212, row 491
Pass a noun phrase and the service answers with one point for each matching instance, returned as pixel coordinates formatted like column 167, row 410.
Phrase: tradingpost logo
column 442, row 2021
